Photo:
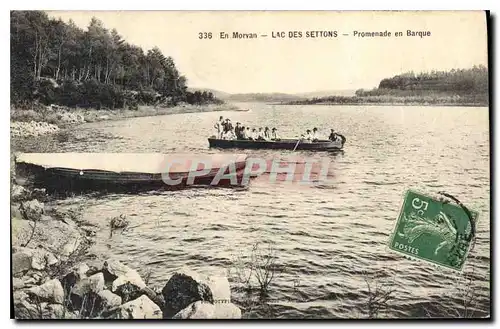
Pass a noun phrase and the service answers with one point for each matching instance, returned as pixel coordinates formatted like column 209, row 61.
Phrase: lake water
column 329, row 239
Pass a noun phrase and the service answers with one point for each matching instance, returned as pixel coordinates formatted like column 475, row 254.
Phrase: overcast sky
column 458, row 40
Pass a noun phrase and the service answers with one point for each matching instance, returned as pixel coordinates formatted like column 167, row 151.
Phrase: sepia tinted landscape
column 248, row 165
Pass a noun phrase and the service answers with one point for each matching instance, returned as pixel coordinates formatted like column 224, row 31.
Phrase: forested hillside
column 464, row 82
column 455, row 87
column 54, row 62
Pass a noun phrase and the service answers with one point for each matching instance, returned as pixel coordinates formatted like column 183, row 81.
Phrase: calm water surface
column 329, row 238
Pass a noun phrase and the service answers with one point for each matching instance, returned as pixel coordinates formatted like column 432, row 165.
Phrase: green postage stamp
column 435, row 231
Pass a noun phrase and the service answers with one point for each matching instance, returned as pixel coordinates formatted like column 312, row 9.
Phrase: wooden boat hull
column 100, row 173
column 284, row 144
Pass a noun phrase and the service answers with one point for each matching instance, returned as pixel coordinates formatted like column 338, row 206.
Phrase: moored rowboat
column 108, row 170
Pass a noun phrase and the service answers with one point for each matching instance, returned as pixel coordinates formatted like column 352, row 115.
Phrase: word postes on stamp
column 433, row 230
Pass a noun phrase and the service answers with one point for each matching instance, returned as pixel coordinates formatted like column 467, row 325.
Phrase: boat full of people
column 245, row 137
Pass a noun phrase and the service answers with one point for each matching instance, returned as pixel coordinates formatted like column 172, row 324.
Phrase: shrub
column 257, row 270
column 46, row 91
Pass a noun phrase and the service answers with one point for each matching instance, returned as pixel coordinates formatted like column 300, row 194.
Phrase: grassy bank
column 63, row 115
column 390, row 100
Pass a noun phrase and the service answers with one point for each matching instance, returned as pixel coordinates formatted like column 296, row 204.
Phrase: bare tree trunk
column 35, row 57
column 106, row 74
column 90, row 63
column 97, row 72
column 39, row 72
column 81, row 73
column 42, row 57
column 59, row 61
column 88, row 71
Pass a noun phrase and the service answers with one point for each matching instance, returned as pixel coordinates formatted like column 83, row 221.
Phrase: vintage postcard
column 250, row 165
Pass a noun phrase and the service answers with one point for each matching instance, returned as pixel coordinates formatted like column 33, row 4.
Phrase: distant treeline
column 54, row 62
column 455, row 87
column 263, row 97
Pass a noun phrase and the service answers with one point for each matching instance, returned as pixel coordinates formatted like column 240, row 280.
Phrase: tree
column 95, row 65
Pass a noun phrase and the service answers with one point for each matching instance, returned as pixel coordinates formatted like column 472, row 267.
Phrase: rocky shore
column 55, row 277
column 50, row 119
column 32, row 129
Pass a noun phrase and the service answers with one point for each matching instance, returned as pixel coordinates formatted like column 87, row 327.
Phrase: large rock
column 157, row 298
column 45, row 218
column 17, row 283
column 15, row 212
column 94, row 283
column 219, row 285
column 19, row 296
column 85, row 291
column 38, row 261
column 82, row 270
column 77, row 273
column 205, row 310
column 38, row 193
column 50, row 259
column 128, row 291
column 72, row 244
column 112, row 269
column 26, row 310
column 140, row 308
column 90, row 231
column 21, row 261
column 54, row 311
column 51, row 291
column 37, row 276
column 54, row 236
column 197, row 310
column 94, row 266
column 183, row 289
column 40, row 258
column 227, row 311
column 131, row 277
column 32, row 209
column 30, row 281
column 85, row 296
column 126, row 282
column 109, row 300
column 18, row 193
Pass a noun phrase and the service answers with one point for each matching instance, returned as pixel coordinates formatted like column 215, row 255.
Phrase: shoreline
column 151, row 111
column 388, row 104
column 54, row 119
column 55, row 274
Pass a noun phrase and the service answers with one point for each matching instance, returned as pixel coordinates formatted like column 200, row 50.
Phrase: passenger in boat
column 274, row 135
column 240, row 131
column 314, row 135
column 229, row 135
column 228, row 125
column 219, row 125
column 243, row 133
column 260, row 135
column 308, row 135
column 267, row 134
column 225, row 126
column 254, row 134
column 333, row 135
column 237, row 130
